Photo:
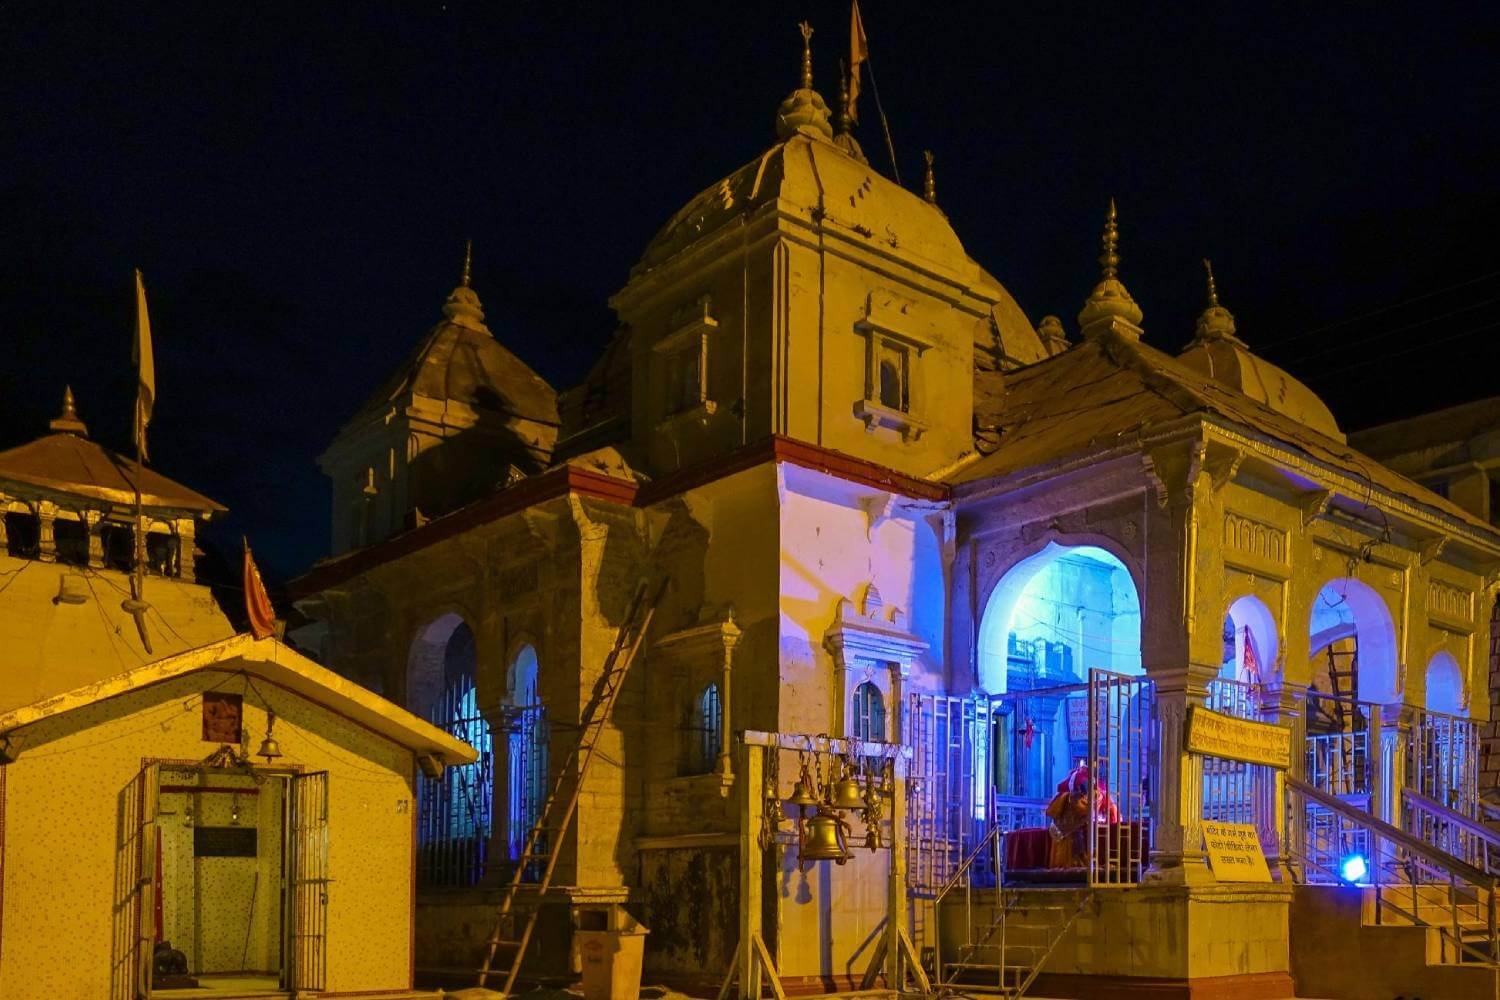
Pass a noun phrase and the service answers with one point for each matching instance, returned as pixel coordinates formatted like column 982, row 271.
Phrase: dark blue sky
column 296, row 181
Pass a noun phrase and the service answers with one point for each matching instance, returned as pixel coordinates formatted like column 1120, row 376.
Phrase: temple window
column 894, row 377
column 892, row 397
column 119, row 546
column 22, row 535
column 681, row 363
column 867, row 714
column 684, row 380
column 161, row 553
column 705, row 731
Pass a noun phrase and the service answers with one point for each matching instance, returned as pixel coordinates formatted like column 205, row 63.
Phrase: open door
column 136, row 889
column 310, row 881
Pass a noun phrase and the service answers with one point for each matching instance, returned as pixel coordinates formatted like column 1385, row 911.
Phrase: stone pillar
column 497, row 867
column 731, row 634
column 1391, row 735
column 1285, row 704
column 1177, row 854
column 187, row 566
column 93, row 522
column 46, row 544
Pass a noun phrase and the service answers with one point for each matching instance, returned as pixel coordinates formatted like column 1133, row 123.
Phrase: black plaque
column 224, row 842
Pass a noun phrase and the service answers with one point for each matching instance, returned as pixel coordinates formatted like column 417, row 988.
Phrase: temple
column 988, row 655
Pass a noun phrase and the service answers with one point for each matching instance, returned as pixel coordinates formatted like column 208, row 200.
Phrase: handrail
column 966, row 864
column 1447, row 815
column 1413, row 845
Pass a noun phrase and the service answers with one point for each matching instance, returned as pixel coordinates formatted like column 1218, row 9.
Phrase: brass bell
column 823, row 840
column 801, row 796
column 872, row 837
column 847, row 793
column 269, row 748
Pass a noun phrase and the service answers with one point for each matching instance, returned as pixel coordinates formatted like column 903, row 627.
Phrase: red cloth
column 257, row 602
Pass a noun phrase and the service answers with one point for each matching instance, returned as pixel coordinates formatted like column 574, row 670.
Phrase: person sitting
column 1068, row 817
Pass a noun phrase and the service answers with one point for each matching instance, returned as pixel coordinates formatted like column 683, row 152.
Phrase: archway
column 1445, row 685
column 1051, row 619
column 1353, row 643
column 526, row 745
column 1251, row 644
column 443, row 656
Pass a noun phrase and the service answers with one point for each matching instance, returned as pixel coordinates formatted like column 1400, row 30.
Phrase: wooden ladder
column 550, row 829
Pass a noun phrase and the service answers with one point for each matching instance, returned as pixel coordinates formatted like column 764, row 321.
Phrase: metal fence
column 1240, row 699
column 454, row 812
column 1121, row 759
column 950, row 785
column 1442, row 760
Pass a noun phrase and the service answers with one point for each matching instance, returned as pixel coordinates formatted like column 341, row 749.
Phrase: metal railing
column 1413, row 882
column 455, row 811
column 1451, row 832
column 1442, row 759
column 1240, row 699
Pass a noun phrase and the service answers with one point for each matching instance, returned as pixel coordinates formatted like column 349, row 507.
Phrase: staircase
column 1006, row 935
column 1420, row 923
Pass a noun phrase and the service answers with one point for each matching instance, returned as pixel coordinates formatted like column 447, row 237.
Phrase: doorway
column 221, row 881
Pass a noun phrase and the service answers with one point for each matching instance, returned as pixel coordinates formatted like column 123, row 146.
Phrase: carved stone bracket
column 1432, row 548
column 1313, row 504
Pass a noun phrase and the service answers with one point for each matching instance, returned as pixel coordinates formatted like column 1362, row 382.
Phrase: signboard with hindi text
column 1215, row 735
column 1234, row 852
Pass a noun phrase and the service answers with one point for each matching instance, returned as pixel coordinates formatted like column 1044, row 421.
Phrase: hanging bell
column 774, row 815
column 872, row 837
column 269, row 748
column 823, row 839
column 847, row 793
column 801, row 796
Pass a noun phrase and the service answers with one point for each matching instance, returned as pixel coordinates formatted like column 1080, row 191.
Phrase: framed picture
column 222, row 715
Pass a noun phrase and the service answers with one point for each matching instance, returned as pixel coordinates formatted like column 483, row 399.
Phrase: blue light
column 1354, row 867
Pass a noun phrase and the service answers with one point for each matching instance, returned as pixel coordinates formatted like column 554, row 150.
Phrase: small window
column 867, row 721
column 161, row 553
column 119, row 546
column 684, row 380
column 894, row 377
column 705, row 731
column 71, row 539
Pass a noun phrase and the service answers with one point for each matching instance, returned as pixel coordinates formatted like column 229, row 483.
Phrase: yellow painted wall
column 62, row 817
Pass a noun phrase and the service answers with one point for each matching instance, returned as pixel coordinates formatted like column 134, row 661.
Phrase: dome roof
column 1218, row 352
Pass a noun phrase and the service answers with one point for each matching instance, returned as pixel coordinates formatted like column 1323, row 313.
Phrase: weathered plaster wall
column 65, row 867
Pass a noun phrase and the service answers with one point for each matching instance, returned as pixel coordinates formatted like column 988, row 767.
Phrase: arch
column 527, row 748
column 1445, row 685
column 1348, row 608
column 1032, row 599
column 706, row 730
column 522, row 678
column 442, row 653
column 1252, row 630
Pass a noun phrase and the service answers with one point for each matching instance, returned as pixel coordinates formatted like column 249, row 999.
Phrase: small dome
column 1218, row 352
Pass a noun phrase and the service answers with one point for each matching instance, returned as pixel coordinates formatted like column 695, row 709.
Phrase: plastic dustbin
column 611, row 955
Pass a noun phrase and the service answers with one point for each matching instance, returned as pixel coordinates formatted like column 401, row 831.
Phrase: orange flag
column 257, row 602
column 859, row 51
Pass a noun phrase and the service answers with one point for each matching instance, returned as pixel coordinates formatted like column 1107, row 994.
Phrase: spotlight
column 1353, row 868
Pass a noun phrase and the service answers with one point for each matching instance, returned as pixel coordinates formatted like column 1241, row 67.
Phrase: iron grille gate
column 1121, row 759
column 949, row 793
column 455, row 811
column 1442, row 760
column 310, row 881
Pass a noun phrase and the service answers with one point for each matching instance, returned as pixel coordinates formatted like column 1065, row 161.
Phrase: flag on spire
column 859, row 51
column 258, row 606
column 145, row 397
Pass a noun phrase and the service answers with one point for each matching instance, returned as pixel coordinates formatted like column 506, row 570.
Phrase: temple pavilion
column 991, row 655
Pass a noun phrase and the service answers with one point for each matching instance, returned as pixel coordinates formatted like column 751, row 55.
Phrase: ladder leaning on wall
column 555, row 818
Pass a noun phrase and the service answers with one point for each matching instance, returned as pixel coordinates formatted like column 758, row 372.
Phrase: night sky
column 296, row 181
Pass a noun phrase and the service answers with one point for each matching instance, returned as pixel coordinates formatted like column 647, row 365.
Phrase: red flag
column 1028, row 733
column 257, row 602
column 1251, row 669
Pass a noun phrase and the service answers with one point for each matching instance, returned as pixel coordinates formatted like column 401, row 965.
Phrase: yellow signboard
column 1215, row 735
column 1235, row 853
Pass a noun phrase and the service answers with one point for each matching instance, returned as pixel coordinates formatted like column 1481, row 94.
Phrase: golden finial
column 468, row 262
column 1109, row 260
column 67, row 422
column 806, row 55
column 1215, row 322
column 929, row 183
column 1213, row 292
column 843, row 100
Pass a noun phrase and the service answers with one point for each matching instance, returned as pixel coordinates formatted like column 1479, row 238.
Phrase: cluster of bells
column 824, row 835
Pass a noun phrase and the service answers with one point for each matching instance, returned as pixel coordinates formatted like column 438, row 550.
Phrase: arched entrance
column 1251, row 648
column 526, row 746
column 454, row 812
column 1051, row 619
column 1445, row 685
column 1353, row 667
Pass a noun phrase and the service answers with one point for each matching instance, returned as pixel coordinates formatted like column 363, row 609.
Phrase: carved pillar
column 187, row 565
column 1389, row 738
column 46, row 544
column 1283, row 703
column 1177, row 854
column 500, row 721
column 731, row 638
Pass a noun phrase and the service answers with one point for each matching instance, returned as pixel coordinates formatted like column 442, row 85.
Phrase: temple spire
column 68, row 422
column 804, row 111
column 929, row 183
column 1215, row 322
column 468, row 263
column 1109, row 306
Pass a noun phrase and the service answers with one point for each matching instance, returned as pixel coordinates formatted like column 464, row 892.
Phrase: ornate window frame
column 693, row 658
column 689, row 338
column 888, row 325
column 871, row 643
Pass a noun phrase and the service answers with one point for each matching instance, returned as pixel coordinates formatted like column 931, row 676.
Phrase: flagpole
column 137, row 605
column 884, row 124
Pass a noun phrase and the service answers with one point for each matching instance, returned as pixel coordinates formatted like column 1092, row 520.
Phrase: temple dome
column 1218, row 352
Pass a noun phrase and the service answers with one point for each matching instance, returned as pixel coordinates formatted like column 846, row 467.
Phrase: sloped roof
column 68, row 463
column 273, row 661
column 1112, row 389
column 459, row 359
